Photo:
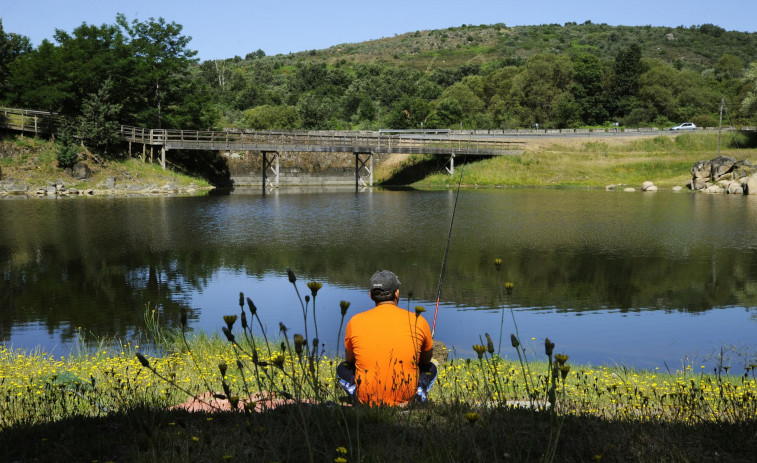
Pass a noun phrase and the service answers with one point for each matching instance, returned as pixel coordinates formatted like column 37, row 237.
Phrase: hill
column 695, row 47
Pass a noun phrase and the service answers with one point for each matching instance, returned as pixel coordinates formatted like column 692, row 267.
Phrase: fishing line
column 446, row 249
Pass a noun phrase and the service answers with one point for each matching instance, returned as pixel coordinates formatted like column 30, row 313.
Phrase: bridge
column 271, row 144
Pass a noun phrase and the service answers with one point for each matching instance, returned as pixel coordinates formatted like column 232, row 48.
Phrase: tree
column 624, row 86
column 11, row 47
column 98, row 124
column 408, row 113
column 540, row 85
column 749, row 105
column 728, row 67
column 587, row 90
column 264, row 117
column 159, row 80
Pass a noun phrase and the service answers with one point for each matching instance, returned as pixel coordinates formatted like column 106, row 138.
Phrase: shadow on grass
column 314, row 433
column 745, row 139
column 420, row 169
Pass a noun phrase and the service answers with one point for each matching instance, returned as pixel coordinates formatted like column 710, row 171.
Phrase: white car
column 685, row 126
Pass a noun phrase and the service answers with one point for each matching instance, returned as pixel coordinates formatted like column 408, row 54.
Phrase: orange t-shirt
column 387, row 342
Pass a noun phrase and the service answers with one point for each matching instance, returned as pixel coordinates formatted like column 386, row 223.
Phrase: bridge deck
column 322, row 142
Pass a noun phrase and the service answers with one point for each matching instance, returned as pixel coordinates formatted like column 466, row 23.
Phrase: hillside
column 695, row 47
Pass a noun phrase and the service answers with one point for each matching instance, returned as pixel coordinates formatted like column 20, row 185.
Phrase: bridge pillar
column 363, row 161
column 272, row 164
column 163, row 157
column 451, row 168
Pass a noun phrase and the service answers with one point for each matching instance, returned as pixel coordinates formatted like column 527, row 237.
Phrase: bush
column 67, row 152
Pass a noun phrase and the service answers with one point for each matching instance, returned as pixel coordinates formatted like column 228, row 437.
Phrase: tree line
column 144, row 73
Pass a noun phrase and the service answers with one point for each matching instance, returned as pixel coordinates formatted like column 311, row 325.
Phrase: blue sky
column 225, row 28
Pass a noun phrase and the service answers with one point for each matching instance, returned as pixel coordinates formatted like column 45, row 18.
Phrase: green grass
column 34, row 161
column 664, row 160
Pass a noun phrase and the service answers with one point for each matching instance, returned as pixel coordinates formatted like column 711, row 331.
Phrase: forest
column 144, row 73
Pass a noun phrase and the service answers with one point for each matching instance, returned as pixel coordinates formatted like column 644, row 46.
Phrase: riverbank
column 665, row 160
column 103, row 404
column 28, row 167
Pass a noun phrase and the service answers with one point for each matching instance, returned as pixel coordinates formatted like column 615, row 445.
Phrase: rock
column 712, row 189
column 721, row 165
column 629, row 189
column 134, row 187
column 440, row 351
column 171, row 186
column 650, row 188
column 701, row 169
column 750, row 186
column 52, row 190
column 81, row 171
column 677, row 188
column 734, row 188
column 647, row 185
column 72, row 191
column 110, row 183
column 15, row 187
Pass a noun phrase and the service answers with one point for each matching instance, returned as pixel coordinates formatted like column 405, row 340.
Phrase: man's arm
column 426, row 356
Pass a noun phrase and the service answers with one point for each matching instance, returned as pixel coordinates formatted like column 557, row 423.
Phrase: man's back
column 387, row 342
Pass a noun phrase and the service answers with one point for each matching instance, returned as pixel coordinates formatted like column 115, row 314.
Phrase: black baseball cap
column 385, row 281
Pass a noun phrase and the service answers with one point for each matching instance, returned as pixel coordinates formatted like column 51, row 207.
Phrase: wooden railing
column 27, row 120
column 357, row 141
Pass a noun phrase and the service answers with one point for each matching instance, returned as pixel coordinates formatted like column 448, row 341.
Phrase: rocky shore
column 724, row 174
column 13, row 187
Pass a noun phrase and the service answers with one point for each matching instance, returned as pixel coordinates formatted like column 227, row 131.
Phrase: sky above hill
column 225, row 28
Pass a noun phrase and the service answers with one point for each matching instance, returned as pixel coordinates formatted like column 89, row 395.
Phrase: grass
column 33, row 161
column 109, row 402
column 665, row 160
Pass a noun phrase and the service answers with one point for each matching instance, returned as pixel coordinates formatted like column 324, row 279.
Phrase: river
column 648, row 280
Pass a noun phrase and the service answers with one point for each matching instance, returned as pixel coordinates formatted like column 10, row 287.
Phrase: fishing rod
column 446, row 249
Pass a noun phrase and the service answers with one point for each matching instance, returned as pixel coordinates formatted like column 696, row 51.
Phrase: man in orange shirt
column 388, row 350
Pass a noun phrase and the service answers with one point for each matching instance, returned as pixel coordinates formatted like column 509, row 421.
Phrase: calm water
column 611, row 277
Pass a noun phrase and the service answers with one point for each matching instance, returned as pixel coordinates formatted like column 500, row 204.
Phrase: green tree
column 162, row 92
column 749, row 105
column 11, row 47
column 728, row 67
column 408, row 113
column 540, row 86
column 587, row 90
column 98, row 125
column 282, row 117
column 624, row 87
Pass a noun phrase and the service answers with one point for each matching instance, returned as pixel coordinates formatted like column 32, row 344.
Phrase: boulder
column 735, row 188
column 647, row 185
column 81, row 171
column 721, row 165
column 629, row 189
column 750, row 186
column 110, row 183
column 677, row 188
column 712, row 189
column 651, row 188
column 697, row 184
column 701, row 169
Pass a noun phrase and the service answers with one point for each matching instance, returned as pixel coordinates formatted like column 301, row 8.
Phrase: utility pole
column 720, row 122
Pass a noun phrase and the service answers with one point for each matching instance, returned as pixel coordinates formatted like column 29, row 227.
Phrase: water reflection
column 634, row 264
